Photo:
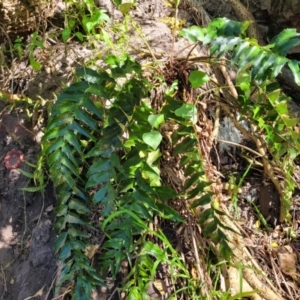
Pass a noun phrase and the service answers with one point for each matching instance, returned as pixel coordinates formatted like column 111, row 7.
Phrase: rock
column 269, row 202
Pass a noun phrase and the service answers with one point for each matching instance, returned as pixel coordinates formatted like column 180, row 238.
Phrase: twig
column 240, row 256
column 259, row 144
column 11, row 54
column 240, row 145
column 198, row 265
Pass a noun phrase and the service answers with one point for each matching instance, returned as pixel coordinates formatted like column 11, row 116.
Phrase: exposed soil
column 27, row 259
column 28, row 263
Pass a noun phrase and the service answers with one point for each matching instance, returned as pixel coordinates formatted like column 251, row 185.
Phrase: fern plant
column 104, row 151
column 102, row 145
column 72, row 127
column 260, row 98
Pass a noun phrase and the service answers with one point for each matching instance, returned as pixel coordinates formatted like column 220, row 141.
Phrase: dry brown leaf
column 287, row 261
column 39, row 293
column 195, row 276
column 91, row 250
column 160, row 286
column 49, row 208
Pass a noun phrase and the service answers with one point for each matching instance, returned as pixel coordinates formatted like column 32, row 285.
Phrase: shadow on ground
column 27, row 259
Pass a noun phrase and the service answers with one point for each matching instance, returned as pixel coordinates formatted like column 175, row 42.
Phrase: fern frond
column 223, row 36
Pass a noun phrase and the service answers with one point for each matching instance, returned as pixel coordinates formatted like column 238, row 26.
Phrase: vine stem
column 268, row 169
column 241, row 256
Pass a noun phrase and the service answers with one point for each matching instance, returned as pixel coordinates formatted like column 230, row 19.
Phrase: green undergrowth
column 260, row 99
column 103, row 145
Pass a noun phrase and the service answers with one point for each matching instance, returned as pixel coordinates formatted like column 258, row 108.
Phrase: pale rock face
column 228, row 132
